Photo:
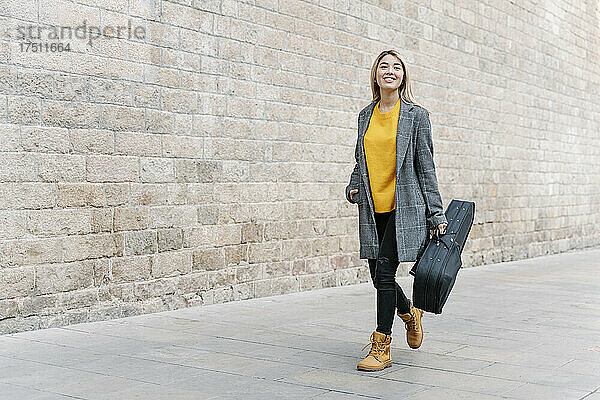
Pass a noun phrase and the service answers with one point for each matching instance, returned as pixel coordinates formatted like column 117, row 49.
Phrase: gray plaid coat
column 418, row 201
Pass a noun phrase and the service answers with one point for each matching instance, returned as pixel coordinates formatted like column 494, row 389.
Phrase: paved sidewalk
column 527, row 329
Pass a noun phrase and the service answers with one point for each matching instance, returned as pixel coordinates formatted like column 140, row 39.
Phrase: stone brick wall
column 206, row 160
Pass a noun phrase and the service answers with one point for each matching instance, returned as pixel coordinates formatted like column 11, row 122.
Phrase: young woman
column 395, row 186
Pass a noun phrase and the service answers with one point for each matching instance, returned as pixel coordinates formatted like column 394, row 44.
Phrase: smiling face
column 389, row 73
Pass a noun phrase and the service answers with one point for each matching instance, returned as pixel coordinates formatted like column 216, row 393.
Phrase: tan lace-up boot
column 414, row 330
column 379, row 356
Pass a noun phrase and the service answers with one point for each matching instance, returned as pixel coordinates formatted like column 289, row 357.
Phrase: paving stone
column 333, row 395
column 582, row 367
column 359, row 382
column 453, row 380
column 542, row 376
column 452, row 394
column 12, row 392
column 532, row 391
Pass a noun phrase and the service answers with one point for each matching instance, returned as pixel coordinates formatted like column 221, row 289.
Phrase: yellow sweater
column 380, row 153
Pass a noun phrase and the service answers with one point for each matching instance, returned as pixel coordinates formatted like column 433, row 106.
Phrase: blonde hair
column 404, row 90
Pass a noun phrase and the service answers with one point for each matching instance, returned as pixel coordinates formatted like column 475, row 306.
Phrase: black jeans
column 383, row 273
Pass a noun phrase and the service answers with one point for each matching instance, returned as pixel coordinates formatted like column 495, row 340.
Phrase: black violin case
column 436, row 268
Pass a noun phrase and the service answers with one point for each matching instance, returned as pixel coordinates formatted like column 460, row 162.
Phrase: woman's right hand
column 353, row 191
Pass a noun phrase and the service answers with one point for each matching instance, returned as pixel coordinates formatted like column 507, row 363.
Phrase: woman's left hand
column 441, row 229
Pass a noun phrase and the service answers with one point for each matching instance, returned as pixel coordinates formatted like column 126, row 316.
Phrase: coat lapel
column 403, row 134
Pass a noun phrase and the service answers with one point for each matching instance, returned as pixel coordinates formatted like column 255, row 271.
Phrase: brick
column 126, row 70
column 24, row 110
column 21, row 9
column 109, row 91
column 92, row 141
column 18, row 167
column 177, row 193
column 162, row 35
column 171, row 263
column 16, row 282
column 310, row 282
column 170, row 239
column 34, row 83
column 210, row 214
column 242, row 291
column 250, row 150
column 281, row 268
column 159, row 121
column 147, row 9
column 85, row 247
column 144, row 53
column 316, row 265
column 209, row 259
column 79, row 300
column 161, row 76
column 340, row 261
column 234, row 255
column 250, row 273
column 264, row 252
column 102, row 220
column 206, row 125
column 346, row 276
column 27, row 195
column 137, row 144
column 146, row 96
column 285, row 284
column 139, row 243
column 211, row 235
column 248, row 193
column 195, row 282
column 199, row 236
column 156, row 170
column 59, row 222
column 148, row 194
column 80, row 195
column 45, row 139
column 7, row 77
column 10, row 137
column 71, row 115
column 209, row 171
column 182, row 146
column 292, row 249
column 116, row 193
column 222, row 295
column 70, row 87
column 131, row 269
column 8, row 309
column 67, row 14
column 121, row 118
column 131, row 218
column 186, row 171
column 54, row 278
column 222, row 277
column 30, row 251
column 172, row 216
column 102, row 267
column 61, row 168
column 12, row 224
column 112, row 169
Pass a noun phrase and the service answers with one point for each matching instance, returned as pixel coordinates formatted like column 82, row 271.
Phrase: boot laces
column 377, row 348
column 412, row 324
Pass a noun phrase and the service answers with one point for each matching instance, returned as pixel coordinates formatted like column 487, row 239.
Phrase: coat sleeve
column 355, row 176
column 426, row 175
